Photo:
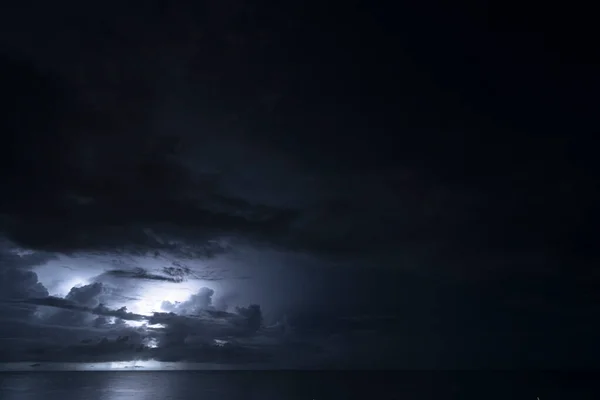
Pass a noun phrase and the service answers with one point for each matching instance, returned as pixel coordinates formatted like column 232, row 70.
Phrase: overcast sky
column 237, row 183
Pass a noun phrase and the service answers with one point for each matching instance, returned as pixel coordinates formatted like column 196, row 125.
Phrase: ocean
column 305, row 385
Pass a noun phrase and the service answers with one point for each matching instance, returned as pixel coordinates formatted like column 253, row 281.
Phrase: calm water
column 264, row 385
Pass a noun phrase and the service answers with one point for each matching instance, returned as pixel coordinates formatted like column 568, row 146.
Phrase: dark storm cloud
column 196, row 318
column 82, row 329
column 176, row 273
column 137, row 197
column 199, row 301
column 18, row 284
column 86, row 295
column 131, row 161
column 16, row 257
column 78, row 309
column 138, row 190
column 196, row 322
column 145, row 135
column 133, row 184
column 355, row 336
column 40, row 341
column 140, row 273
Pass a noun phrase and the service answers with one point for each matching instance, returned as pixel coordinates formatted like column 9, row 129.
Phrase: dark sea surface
column 267, row 385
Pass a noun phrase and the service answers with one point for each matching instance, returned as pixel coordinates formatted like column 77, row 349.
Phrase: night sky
column 299, row 185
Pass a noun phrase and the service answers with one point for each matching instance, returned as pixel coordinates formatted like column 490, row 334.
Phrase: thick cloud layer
column 95, row 332
column 429, row 330
column 271, row 192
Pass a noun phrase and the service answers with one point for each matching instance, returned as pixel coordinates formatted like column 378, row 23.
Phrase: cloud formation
column 167, row 193
column 141, row 196
column 99, row 333
column 145, row 201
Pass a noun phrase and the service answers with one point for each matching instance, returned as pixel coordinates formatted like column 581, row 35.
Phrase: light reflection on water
column 145, row 365
column 307, row 385
column 89, row 386
column 121, row 385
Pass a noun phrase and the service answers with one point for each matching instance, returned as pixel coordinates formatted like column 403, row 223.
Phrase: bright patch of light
column 135, row 324
column 152, row 296
column 73, row 283
column 144, row 297
column 151, row 343
column 146, row 365
column 220, row 342
column 121, row 365
column 143, row 324
column 62, row 288
column 61, row 274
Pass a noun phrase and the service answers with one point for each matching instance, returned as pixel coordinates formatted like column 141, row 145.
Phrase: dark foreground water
column 265, row 385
